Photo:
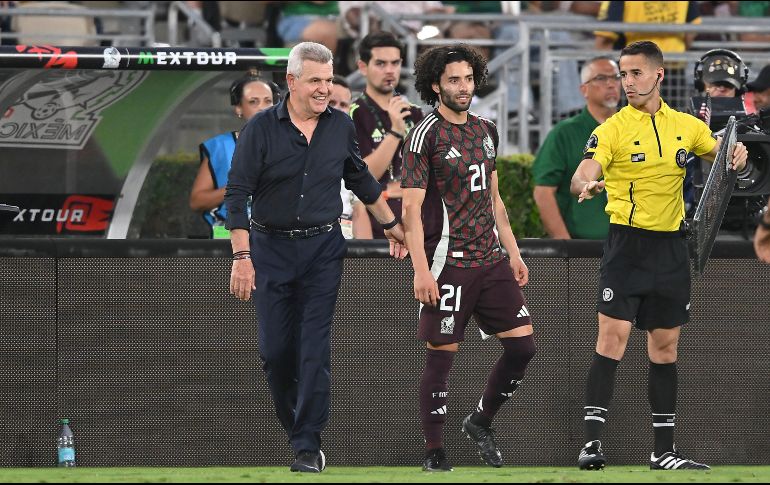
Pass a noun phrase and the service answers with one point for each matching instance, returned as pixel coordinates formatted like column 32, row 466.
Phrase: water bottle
column 66, row 444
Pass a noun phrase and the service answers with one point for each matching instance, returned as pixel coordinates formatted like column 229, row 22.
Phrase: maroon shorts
column 489, row 292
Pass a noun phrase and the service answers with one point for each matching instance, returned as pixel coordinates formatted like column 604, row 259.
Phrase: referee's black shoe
column 673, row 460
column 436, row 461
column 307, row 462
column 485, row 440
column 591, row 456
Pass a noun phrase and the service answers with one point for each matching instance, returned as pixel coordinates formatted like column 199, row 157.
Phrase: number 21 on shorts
column 446, row 298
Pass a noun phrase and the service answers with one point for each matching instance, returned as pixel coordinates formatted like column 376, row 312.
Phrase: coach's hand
column 242, row 279
column 591, row 189
column 397, row 241
column 426, row 288
column 520, row 270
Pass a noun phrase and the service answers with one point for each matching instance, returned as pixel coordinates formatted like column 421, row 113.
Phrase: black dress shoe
column 307, row 462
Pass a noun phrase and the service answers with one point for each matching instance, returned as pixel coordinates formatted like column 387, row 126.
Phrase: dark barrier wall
column 142, row 347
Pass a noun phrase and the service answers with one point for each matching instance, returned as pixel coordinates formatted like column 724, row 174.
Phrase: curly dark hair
column 431, row 64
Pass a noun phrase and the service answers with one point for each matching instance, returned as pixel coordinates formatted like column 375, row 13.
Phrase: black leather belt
column 294, row 233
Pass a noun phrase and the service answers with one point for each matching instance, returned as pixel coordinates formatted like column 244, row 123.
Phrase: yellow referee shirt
column 643, row 159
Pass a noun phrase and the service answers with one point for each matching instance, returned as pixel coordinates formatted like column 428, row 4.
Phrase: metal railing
column 517, row 57
column 199, row 28
column 144, row 17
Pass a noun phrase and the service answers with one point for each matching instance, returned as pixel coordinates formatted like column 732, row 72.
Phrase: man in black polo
column 290, row 159
column 383, row 117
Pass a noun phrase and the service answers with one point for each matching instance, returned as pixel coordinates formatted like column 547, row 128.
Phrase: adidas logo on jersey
column 441, row 410
column 453, row 153
column 523, row 312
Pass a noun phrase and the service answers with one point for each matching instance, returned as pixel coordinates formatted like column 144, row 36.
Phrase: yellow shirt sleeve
column 599, row 146
column 703, row 142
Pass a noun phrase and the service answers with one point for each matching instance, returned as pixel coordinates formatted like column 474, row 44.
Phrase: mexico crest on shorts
column 448, row 325
column 681, row 157
column 489, row 147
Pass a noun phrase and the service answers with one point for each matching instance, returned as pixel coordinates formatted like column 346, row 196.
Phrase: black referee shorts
column 645, row 277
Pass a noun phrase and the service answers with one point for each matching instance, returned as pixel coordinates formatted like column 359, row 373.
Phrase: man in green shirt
column 562, row 151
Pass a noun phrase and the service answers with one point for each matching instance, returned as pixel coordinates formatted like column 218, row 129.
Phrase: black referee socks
column 599, row 389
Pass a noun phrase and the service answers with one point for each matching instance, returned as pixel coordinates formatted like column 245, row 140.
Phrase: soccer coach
column 290, row 159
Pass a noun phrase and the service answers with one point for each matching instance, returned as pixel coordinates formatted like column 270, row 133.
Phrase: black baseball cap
column 762, row 82
column 721, row 69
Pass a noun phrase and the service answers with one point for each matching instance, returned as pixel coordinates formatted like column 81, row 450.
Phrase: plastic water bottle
column 66, row 444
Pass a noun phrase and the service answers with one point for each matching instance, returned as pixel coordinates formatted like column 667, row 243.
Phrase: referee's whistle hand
column 740, row 155
column 591, row 189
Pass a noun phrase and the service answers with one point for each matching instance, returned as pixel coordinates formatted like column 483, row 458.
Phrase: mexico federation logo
column 681, row 157
column 489, row 147
column 608, row 294
column 592, row 143
column 448, row 325
column 111, row 58
column 62, row 110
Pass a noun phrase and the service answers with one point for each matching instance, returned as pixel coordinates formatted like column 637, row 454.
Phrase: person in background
column 382, row 117
column 248, row 95
column 677, row 12
column 759, row 89
column 309, row 22
column 354, row 220
column 561, row 153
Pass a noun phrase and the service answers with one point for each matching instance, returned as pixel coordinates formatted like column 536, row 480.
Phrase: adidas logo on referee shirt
column 453, row 153
column 523, row 312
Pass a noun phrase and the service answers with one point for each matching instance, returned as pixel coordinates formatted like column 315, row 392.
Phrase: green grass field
column 619, row 474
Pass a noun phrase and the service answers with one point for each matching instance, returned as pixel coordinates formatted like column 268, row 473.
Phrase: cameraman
column 718, row 74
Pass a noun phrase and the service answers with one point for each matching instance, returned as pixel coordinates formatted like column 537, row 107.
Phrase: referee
column 645, row 273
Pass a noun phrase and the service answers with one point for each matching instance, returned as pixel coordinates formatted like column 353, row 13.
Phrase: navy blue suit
column 295, row 186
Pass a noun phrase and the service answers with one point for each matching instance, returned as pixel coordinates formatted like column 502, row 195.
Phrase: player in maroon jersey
column 451, row 208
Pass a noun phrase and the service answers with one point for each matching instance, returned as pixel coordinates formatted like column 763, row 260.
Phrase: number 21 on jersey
column 478, row 177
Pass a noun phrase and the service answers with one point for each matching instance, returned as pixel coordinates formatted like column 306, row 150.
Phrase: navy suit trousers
column 297, row 284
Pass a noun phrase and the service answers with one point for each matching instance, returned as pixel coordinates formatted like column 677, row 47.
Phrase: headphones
column 742, row 68
column 236, row 88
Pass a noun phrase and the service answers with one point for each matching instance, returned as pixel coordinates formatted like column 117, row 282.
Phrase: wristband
column 397, row 135
column 391, row 224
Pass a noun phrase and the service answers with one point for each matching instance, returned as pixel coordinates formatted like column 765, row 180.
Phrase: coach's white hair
column 585, row 72
column 307, row 51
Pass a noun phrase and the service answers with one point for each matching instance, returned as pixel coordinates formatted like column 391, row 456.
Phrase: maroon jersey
column 454, row 164
column 372, row 124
